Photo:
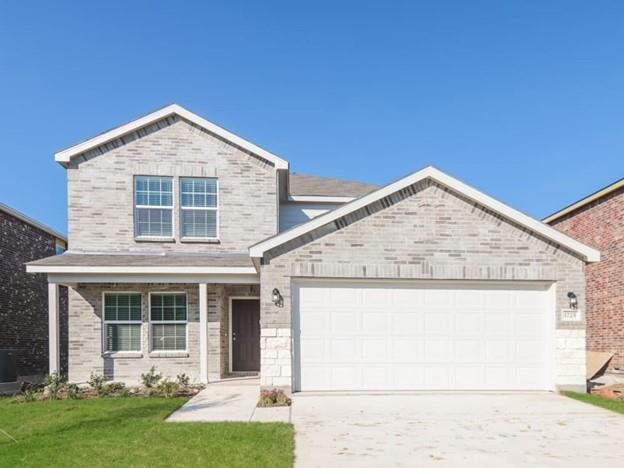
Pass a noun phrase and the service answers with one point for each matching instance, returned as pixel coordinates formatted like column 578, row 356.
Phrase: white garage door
column 422, row 336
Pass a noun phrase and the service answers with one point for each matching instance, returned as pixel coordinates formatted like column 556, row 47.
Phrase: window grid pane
column 122, row 307
column 199, row 206
column 123, row 337
column 153, row 191
column 153, row 206
column 168, row 337
column 168, row 308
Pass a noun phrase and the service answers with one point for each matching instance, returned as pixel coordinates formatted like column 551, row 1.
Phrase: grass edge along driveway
column 133, row 432
column 602, row 402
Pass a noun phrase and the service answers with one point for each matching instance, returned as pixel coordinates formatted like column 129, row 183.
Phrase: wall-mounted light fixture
column 573, row 300
column 276, row 297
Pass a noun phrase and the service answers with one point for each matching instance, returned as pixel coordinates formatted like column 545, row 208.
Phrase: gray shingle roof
column 130, row 260
column 302, row 184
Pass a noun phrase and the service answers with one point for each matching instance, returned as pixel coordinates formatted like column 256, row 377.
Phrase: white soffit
column 589, row 254
column 64, row 156
column 181, row 270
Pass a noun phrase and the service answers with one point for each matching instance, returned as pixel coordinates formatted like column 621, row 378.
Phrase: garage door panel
column 345, row 322
column 468, row 350
column 375, row 296
column 527, row 323
column 437, row 377
column 374, row 322
column 407, row 350
column 468, row 323
column 438, row 350
column 438, row 298
column 497, row 351
column 438, row 323
column 424, row 336
column 468, row 377
column 344, row 350
column 497, row 323
column 407, row 298
column 314, row 320
column 406, row 323
column 375, row 350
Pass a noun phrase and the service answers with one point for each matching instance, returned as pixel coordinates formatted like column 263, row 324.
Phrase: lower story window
column 168, row 317
column 122, row 322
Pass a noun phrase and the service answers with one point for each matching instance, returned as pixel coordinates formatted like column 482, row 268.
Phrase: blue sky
column 521, row 99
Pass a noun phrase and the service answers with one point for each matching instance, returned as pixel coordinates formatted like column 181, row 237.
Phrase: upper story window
column 153, row 206
column 199, row 212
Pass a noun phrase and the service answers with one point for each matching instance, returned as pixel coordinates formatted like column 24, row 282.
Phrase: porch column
column 54, row 350
column 203, row 332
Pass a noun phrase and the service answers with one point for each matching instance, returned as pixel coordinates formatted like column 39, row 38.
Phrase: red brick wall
column 601, row 224
column 24, row 297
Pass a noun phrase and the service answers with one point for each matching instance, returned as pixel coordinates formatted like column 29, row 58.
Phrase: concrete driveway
column 455, row 430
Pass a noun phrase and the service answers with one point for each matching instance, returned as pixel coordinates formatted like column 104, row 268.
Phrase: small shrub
column 183, row 380
column 29, row 395
column 54, row 383
column 96, row 382
column 167, row 388
column 273, row 397
column 73, row 392
column 116, row 388
column 150, row 379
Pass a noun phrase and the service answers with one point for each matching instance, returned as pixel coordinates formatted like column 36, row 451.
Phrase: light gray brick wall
column 100, row 190
column 86, row 327
column 431, row 234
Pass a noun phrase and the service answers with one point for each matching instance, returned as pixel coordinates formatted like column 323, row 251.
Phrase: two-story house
column 197, row 251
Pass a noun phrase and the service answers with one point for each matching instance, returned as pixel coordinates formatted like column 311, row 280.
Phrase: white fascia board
column 588, row 253
column 64, row 156
column 141, row 270
column 319, row 199
column 72, row 279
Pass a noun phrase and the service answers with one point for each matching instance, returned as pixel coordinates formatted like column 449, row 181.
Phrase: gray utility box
column 8, row 369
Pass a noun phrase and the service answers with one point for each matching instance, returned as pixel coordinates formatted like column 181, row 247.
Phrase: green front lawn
column 132, row 432
column 613, row 405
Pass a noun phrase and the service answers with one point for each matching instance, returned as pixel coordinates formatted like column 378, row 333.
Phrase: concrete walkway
column 229, row 400
column 455, row 430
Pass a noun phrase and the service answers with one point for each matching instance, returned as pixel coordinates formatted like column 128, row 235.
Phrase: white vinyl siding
column 153, row 207
column 122, row 322
column 292, row 214
column 199, row 212
column 168, row 317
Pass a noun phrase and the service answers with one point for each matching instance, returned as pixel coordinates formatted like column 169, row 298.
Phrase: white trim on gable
column 319, row 199
column 64, row 156
column 589, row 254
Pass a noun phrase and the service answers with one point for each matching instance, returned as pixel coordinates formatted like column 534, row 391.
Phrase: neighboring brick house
column 196, row 251
column 24, row 297
column 598, row 220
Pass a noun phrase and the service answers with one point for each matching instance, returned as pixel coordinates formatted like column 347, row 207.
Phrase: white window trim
column 199, row 208
column 164, row 322
column 106, row 352
column 172, row 208
column 230, row 346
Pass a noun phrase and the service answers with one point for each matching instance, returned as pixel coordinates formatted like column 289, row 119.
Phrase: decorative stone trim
column 570, row 359
column 275, row 358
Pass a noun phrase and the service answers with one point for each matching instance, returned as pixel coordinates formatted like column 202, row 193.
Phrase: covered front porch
column 195, row 315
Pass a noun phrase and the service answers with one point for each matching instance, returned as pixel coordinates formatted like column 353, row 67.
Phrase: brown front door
column 245, row 335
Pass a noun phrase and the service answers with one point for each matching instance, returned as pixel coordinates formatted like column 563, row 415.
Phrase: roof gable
column 603, row 192
column 587, row 253
column 65, row 156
